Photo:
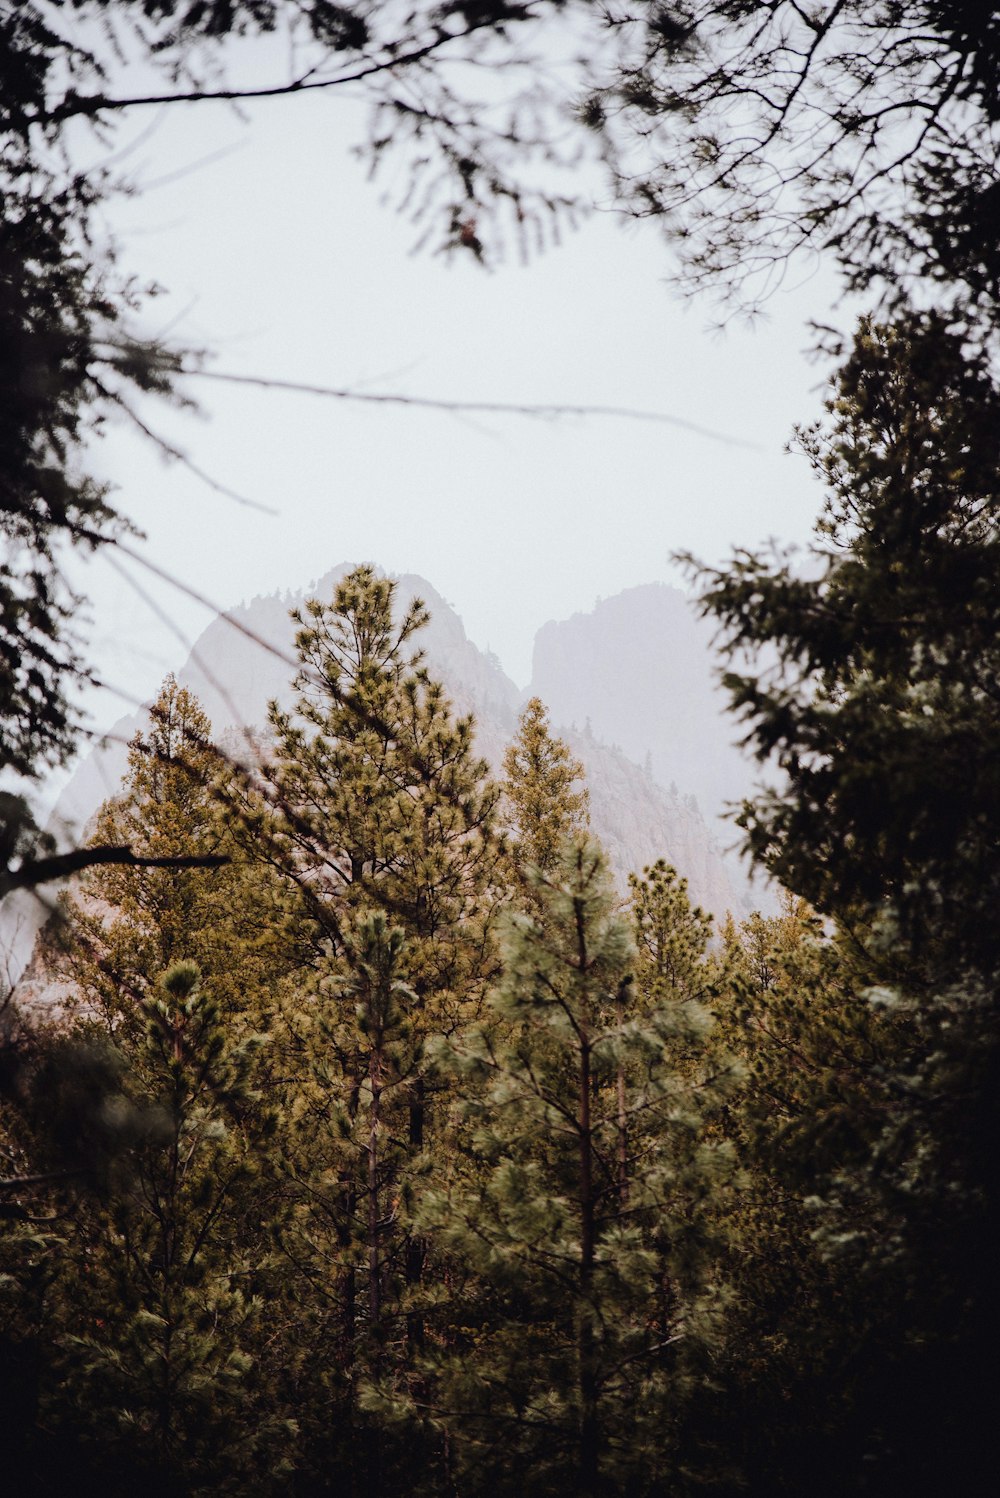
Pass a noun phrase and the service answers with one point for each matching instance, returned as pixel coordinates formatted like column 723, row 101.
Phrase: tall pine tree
column 579, row 1173
column 383, row 826
column 159, row 1371
column 875, row 690
column 544, row 791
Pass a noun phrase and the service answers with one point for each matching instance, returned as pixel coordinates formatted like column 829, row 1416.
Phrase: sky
column 278, row 256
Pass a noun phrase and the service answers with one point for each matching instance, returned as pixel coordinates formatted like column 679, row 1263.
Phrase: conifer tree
column 383, row 826
column 872, row 681
column 539, row 779
column 564, row 1364
column 161, row 811
column 157, row 1295
column 786, row 1398
column 161, row 1325
column 131, row 923
column 671, row 934
column 380, row 800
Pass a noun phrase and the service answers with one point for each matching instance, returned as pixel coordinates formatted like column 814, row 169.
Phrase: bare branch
column 553, row 411
column 37, row 871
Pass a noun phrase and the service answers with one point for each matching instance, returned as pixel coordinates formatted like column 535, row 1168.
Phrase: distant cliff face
column 639, row 821
column 641, row 668
column 636, row 670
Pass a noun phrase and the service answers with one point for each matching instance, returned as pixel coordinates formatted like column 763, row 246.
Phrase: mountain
column 628, row 686
column 245, row 659
column 640, row 668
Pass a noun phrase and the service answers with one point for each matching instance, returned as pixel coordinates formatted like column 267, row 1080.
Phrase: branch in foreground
column 42, row 1178
column 542, row 411
column 93, row 105
column 37, row 871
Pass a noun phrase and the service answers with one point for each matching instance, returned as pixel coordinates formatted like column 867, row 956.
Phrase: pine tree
column 161, row 1328
column 671, row 934
column 161, row 811
column 539, row 779
column 380, row 799
column 129, row 923
column 582, row 1296
column 383, row 826
column 878, row 700
column 782, row 1410
column 158, row 1293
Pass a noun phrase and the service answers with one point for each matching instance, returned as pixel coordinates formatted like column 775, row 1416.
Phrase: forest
column 378, row 1142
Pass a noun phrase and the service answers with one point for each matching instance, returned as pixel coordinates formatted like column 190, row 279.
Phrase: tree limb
column 35, row 871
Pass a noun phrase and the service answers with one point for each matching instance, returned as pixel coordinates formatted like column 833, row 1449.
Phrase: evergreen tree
column 582, row 1299
column 380, row 800
column 671, row 934
column 162, row 810
column 161, row 1328
column 155, row 1314
column 130, row 923
column 539, row 779
column 783, row 1411
column 383, row 826
column 883, row 717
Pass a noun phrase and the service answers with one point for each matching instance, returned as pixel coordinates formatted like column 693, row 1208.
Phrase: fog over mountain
column 629, row 686
column 640, row 668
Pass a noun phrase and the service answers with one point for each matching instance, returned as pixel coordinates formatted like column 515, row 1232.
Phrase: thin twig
column 542, row 411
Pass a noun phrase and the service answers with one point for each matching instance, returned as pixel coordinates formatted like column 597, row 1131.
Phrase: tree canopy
column 882, row 707
column 758, row 129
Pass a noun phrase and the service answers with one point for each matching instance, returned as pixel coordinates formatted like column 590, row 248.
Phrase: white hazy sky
column 279, row 256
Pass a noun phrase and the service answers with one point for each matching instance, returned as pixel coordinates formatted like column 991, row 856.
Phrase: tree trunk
column 586, row 1361
column 415, row 1247
column 622, row 1113
column 374, row 1268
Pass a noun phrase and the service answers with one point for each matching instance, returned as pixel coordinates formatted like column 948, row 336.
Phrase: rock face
column 641, row 669
column 638, row 821
column 628, row 686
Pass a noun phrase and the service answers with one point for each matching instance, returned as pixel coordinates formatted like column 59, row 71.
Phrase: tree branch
column 542, row 411
column 37, row 871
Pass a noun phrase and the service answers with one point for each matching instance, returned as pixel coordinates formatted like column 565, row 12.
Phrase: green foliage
column 539, row 779
column 576, row 1202
column 159, row 1337
column 349, row 1170
column 149, row 1335
column 671, row 934
column 164, row 811
column 783, row 1408
column 130, row 923
column 380, row 800
column 882, row 714
column 54, row 311
column 383, row 827
column 609, row 1208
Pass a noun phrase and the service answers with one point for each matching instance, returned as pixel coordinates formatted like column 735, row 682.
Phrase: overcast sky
column 279, row 256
